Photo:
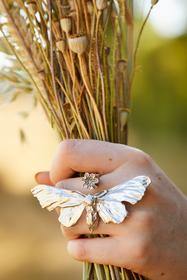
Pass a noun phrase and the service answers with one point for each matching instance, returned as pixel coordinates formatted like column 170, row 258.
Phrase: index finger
column 87, row 156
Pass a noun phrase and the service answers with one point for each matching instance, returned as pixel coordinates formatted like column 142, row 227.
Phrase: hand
column 152, row 240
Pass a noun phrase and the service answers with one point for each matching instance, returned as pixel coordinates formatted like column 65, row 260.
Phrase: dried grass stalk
column 80, row 57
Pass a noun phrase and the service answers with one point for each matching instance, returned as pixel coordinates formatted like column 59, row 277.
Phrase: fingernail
column 36, row 175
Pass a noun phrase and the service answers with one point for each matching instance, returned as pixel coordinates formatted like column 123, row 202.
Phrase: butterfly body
column 90, row 200
column 106, row 204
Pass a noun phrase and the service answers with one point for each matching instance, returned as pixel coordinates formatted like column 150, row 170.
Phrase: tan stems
column 141, row 32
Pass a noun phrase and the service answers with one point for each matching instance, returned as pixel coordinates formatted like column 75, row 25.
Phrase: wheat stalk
column 80, row 56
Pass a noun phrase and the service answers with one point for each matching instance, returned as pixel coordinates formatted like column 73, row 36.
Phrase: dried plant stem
column 99, row 126
column 141, row 32
column 107, row 272
column 52, row 68
column 112, row 274
column 98, row 271
column 129, row 48
column 101, row 77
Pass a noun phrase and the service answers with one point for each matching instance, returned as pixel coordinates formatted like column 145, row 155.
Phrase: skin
column 152, row 240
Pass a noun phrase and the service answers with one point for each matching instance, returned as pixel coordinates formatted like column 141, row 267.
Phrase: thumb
column 95, row 250
column 43, row 178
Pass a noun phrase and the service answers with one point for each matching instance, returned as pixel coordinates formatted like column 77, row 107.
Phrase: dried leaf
column 22, row 136
column 23, row 114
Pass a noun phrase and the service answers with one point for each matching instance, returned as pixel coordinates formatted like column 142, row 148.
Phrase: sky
column 168, row 18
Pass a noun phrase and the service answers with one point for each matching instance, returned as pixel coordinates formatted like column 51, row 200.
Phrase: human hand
column 152, row 240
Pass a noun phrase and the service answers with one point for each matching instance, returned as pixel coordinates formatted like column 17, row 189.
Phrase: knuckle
column 145, row 220
column 67, row 146
column 141, row 252
column 69, row 233
column 148, row 220
column 142, row 158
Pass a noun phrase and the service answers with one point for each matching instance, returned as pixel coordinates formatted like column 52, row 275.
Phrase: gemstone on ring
column 90, row 180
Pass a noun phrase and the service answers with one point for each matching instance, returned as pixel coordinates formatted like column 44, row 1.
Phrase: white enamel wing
column 107, row 204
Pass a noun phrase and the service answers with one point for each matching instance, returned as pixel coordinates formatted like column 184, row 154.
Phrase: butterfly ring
column 107, row 205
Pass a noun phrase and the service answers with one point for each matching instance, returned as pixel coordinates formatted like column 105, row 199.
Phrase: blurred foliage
column 160, row 88
column 14, row 81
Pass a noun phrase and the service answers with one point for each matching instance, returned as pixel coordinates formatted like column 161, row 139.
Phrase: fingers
column 87, row 156
column 97, row 250
column 130, row 251
column 43, row 178
column 81, row 229
column 106, row 250
column 76, row 184
column 106, row 181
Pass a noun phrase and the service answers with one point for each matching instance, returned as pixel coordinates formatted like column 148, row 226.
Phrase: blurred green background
column 31, row 245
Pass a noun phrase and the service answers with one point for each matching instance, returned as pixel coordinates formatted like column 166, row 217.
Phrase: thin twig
column 140, row 33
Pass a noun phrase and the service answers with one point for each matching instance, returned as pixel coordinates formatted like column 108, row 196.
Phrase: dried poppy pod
column 122, row 65
column 32, row 7
column 90, row 7
column 66, row 24
column 72, row 5
column 101, row 4
column 61, row 45
column 41, row 74
column 78, row 43
column 154, row 2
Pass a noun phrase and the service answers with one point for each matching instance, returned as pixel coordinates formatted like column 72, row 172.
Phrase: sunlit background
column 31, row 246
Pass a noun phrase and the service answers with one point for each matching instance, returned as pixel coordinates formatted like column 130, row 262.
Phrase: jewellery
column 90, row 180
column 106, row 204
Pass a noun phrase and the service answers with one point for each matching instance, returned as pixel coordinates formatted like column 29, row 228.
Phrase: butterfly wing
column 50, row 197
column 110, row 206
column 70, row 215
column 70, row 202
column 131, row 191
column 111, row 211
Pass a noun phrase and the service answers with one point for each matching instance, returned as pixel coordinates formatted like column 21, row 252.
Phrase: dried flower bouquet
column 80, row 57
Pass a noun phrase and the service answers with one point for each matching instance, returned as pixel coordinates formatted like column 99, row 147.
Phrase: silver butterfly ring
column 106, row 204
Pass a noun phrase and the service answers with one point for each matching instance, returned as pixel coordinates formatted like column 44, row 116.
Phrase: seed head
column 65, row 24
column 101, row 4
column 61, row 45
column 90, row 7
column 154, row 2
column 78, row 43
